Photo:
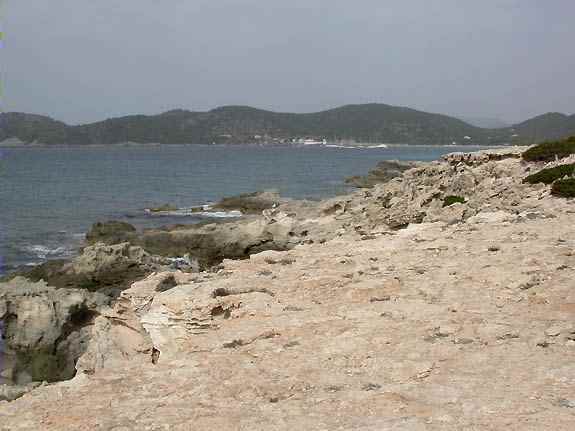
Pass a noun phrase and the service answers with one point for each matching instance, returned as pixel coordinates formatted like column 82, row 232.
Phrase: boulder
column 449, row 214
column 107, row 268
column 12, row 392
column 489, row 180
column 110, row 232
column 210, row 243
column 484, row 156
column 118, row 335
column 249, row 203
column 100, row 260
column 382, row 173
column 45, row 329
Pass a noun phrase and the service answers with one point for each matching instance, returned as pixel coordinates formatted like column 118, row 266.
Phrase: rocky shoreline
column 394, row 307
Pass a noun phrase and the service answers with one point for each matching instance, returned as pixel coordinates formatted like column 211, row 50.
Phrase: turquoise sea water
column 49, row 197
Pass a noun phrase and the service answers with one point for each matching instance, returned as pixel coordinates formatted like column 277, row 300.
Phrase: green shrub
column 548, row 151
column 547, row 176
column 450, row 200
column 564, row 188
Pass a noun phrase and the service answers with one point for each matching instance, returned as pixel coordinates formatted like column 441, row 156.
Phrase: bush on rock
column 564, row 188
column 547, row 176
column 548, row 151
column 450, row 200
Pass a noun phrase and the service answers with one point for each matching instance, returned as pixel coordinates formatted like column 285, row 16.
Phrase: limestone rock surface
column 388, row 311
column 45, row 329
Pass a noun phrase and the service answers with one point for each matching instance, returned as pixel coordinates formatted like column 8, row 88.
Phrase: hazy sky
column 85, row 60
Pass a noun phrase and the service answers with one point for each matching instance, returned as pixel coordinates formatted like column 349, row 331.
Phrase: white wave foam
column 357, row 147
column 44, row 252
column 204, row 212
column 221, row 214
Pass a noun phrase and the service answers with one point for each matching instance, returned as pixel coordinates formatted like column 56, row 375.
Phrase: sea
column 50, row 196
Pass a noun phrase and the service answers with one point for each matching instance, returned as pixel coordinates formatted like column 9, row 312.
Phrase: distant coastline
column 373, row 124
column 23, row 145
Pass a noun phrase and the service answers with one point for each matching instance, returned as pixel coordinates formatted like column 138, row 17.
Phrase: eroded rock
column 249, row 203
column 382, row 173
column 416, row 328
column 102, row 267
column 45, row 329
column 110, row 232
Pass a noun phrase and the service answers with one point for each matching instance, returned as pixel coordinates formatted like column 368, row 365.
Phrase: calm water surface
column 49, row 197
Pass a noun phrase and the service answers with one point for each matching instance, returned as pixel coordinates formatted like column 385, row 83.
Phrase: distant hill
column 552, row 125
column 31, row 128
column 370, row 123
column 486, row 123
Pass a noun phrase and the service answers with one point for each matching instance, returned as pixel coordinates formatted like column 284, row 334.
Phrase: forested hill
column 552, row 125
column 373, row 123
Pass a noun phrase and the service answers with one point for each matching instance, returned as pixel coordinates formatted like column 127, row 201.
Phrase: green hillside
column 550, row 126
column 369, row 123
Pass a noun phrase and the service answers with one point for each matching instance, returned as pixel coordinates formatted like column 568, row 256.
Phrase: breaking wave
column 358, row 147
column 204, row 212
column 45, row 252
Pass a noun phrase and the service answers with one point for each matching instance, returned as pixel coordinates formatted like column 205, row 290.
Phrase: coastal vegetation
column 550, row 150
column 564, row 188
column 560, row 177
column 450, row 200
column 549, row 175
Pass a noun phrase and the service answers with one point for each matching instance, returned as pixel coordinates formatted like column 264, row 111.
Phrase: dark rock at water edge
column 249, row 203
column 208, row 243
column 382, row 173
column 110, row 232
column 163, row 208
column 108, row 269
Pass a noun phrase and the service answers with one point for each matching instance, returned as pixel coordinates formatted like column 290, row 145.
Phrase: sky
column 85, row 60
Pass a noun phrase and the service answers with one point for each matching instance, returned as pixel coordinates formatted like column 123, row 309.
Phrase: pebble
column 371, row 387
column 449, row 329
column 564, row 402
column 553, row 331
